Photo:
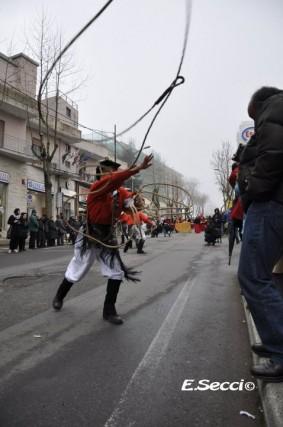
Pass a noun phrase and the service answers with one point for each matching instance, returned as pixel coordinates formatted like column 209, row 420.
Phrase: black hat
column 109, row 163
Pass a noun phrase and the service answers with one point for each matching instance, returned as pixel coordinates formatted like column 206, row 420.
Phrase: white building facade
column 21, row 173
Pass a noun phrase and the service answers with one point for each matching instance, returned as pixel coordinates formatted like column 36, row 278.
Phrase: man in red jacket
column 105, row 203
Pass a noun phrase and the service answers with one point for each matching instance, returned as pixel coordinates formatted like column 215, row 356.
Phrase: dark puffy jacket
column 246, row 166
column 266, row 179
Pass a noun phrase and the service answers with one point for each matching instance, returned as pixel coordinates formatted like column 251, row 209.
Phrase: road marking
column 144, row 373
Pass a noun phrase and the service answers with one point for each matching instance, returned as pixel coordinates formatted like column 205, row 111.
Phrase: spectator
column 33, row 229
column 52, row 232
column 41, row 238
column 23, row 231
column 61, row 230
column 14, row 233
column 166, row 229
column 262, row 191
column 218, row 221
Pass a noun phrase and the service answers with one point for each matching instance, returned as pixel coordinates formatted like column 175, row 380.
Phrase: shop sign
column 35, row 186
column 4, row 177
column 246, row 130
column 247, row 133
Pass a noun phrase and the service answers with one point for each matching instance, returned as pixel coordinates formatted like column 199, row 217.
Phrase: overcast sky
column 131, row 55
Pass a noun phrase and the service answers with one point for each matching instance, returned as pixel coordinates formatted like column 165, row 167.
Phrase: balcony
column 68, row 132
column 17, row 103
column 64, row 171
column 93, row 150
column 16, row 148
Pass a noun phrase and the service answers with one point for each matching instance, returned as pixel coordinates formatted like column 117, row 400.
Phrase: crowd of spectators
column 40, row 232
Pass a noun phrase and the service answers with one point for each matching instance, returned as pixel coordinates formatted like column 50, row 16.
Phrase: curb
column 271, row 394
column 4, row 242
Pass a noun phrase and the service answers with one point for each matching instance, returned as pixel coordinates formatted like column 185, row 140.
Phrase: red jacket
column 237, row 211
column 233, row 176
column 144, row 218
column 100, row 204
column 135, row 218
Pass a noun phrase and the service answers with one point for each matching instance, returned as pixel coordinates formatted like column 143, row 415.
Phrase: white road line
column 144, row 373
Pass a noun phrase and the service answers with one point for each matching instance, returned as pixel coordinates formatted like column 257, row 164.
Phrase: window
column 67, row 164
column 36, row 145
column 2, row 126
column 68, row 112
column 66, row 155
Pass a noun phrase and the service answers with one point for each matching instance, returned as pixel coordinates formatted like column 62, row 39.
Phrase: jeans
column 262, row 247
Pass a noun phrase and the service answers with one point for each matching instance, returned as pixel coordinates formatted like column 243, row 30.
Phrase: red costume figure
column 135, row 219
column 105, row 202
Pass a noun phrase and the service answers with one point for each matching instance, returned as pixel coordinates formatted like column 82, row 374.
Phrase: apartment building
column 21, row 173
column 17, row 96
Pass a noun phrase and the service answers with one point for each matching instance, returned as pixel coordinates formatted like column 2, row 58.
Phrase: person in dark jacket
column 247, row 163
column 52, row 232
column 262, row 247
column 61, row 230
column 218, row 223
column 33, row 229
column 14, row 221
column 23, row 231
column 41, row 233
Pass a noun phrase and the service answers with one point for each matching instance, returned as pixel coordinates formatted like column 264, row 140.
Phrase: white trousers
column 80, row 264
column 137, row 233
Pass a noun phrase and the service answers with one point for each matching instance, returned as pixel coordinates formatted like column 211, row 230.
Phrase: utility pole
column 115, row 143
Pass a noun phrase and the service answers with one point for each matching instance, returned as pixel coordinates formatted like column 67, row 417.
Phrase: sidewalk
column 4, row 245
column 4, row 242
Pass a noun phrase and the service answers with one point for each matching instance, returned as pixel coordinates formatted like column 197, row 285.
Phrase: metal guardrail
column 65, row 97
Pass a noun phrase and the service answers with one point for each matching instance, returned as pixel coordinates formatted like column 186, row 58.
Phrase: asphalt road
column 184, row 321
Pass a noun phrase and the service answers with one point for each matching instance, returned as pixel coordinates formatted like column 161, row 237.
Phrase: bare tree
column 221, row 163
column 45, row 45
column 197, row 200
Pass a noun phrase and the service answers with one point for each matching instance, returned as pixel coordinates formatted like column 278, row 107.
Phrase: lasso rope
column 178, row 80
column 63, row 51
column 133, row 208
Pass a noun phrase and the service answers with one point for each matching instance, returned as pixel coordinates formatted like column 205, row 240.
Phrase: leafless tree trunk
column 221, row 163
column 45, row 47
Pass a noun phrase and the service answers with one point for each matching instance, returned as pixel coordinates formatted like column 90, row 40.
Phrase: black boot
column 140, row 246
column 128, row 245
column 109, row 310
column 61, row 293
